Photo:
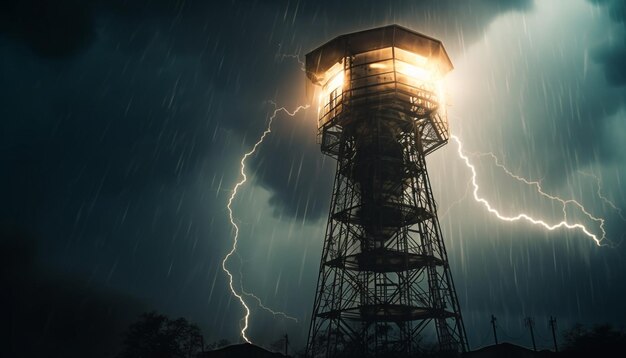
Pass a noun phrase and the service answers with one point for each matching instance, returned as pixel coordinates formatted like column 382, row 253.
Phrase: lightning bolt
column 537, row 185
column 524, row 216
column 275, row 313
column 259, row 302
column 244, row 178
column 457, row 202
column 281, row 57
column 601, row 196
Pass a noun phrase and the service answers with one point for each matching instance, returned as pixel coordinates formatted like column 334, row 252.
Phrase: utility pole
column 493, row 324
column 530, row 323
column 552, row 323
column 286, row 343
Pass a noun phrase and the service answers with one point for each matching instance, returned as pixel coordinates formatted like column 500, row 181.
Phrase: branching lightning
column 296, row 56
column 601, row 196
column 275, row 313
column 524, row 216
column 244, row 178
column 259, row 302
column 564, row 202
column 457, row 202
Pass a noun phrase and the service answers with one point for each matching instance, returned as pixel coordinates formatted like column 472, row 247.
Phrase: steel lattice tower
column 384, row 275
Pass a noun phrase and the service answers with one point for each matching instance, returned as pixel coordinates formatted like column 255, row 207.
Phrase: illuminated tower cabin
column 384, row 277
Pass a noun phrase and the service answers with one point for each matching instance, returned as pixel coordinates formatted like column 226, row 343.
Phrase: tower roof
column 325, row 56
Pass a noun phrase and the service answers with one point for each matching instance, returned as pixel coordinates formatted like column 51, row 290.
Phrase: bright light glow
column 441, row 95
column 332, row 80
column 417, row 73
column 331, row 73
column 233, row 195
column 410, row 57
column 526, row 217
column 335, row 82
column 378, row 65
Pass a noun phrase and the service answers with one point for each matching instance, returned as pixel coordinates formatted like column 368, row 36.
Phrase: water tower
column 384, row 277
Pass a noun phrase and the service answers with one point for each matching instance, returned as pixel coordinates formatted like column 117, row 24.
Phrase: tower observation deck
column 384, row 280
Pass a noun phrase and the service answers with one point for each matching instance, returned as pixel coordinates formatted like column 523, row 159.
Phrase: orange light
column 378, row 65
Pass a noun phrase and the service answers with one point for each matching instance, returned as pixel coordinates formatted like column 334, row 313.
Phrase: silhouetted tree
column 583, row 342
column 157, row 336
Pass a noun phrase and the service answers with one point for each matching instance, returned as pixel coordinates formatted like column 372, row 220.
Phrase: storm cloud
column 149, row 64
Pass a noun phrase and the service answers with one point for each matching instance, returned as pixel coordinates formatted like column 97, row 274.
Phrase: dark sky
column 122, row 124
